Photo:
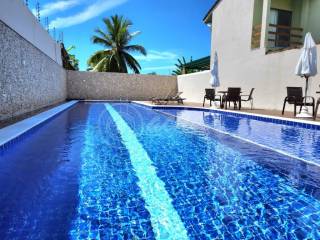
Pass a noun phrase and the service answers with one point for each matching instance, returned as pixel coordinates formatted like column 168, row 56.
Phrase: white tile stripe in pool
column 165, row 220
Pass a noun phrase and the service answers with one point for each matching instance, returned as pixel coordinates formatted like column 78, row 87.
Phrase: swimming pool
column 123, row 171
column 294, row 139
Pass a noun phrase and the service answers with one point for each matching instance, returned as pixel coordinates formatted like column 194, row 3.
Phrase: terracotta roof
column 207, row 18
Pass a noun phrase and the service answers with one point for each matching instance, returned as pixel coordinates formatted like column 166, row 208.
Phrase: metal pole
column 54, row 33
column 306, row 91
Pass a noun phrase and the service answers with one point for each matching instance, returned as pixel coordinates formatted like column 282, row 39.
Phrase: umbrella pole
column 306, row 91
column 304, row 111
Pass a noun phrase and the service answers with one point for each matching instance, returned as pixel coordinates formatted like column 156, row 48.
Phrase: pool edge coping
column 14, row 131
column 283, row 120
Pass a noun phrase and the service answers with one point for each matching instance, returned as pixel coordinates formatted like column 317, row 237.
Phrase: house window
column 280, row 28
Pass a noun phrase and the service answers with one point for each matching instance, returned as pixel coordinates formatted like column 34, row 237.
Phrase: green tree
column 72, row 58
column 116, row 41
column 152, row 73
column 180, row 69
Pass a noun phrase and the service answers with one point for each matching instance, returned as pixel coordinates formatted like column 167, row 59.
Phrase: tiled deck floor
column 276, row 113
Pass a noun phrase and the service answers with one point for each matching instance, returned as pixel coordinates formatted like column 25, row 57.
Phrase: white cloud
column 157, row 55
column 169, row 67
column 90, row 12
column 53, row 7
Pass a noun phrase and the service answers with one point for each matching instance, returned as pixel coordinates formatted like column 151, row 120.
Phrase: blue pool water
column 122, row 171
column 296, row 141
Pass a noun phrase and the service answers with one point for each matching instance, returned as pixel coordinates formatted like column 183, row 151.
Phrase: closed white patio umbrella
column 214, row 80
column 307, row 67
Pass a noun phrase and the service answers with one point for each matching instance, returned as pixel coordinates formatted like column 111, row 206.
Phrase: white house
column 258, row 43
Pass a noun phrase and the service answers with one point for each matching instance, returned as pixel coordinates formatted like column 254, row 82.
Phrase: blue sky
column 169, row 28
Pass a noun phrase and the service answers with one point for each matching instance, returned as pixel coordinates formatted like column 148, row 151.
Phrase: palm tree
column 72, row 58
column 116, row 40
column 180, row 67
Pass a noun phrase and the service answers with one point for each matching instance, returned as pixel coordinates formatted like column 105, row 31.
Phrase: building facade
column 258, row 44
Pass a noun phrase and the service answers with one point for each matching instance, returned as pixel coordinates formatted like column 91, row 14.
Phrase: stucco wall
column 29, row 79
column 18, row 17
column 239, row 66
column 193, row 85
column 118, row 86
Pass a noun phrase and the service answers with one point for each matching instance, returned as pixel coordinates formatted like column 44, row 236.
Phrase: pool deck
column 265, row 112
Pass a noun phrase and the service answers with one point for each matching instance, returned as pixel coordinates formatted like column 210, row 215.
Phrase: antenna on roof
column 38, row 10
column 61, row 37
column 54, row 33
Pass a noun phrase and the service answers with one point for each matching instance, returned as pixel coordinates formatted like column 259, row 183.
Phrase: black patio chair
column 248, row 98
column 295, row 97
column 233, row 95
column 211, row 96
column 316, row 111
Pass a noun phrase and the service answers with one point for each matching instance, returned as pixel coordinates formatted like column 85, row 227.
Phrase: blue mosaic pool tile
column 293, row 138
column 84, row 186
column 209, row 200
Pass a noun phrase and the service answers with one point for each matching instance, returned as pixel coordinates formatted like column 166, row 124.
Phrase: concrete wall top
column 19, row 18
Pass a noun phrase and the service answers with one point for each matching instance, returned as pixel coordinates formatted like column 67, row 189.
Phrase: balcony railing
column 256, row 37
column 284, row 37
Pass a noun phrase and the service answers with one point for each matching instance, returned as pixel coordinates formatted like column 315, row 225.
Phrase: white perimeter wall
column 193, row 85
column 239, row 66
column 18, row 17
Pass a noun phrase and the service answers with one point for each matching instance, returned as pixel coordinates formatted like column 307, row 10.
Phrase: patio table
column 224, row 94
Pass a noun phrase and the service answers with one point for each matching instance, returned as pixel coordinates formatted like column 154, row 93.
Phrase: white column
column 265, row 24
